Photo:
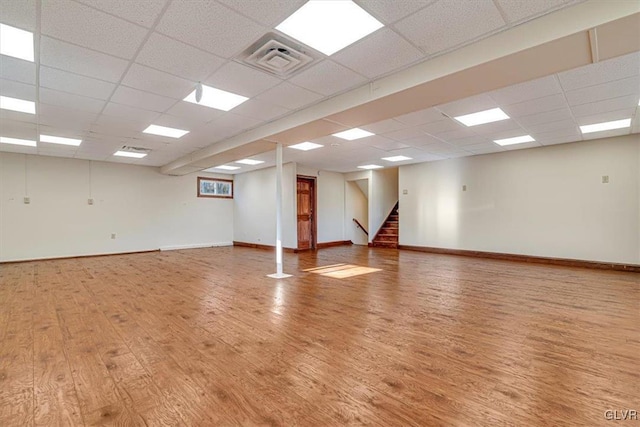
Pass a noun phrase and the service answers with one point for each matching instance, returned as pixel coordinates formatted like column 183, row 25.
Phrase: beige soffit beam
column 324, row 115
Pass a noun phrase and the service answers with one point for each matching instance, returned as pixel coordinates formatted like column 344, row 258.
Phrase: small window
column 212, row 187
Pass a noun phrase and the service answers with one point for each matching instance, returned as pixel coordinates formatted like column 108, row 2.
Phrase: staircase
column 387, row 237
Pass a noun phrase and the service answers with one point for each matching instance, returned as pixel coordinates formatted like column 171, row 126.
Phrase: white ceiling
column 107, row 69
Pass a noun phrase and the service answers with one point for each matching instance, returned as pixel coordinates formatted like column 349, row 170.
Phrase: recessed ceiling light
column 16, row 42
column 227, row 167
column 130, row 154
column 599, row 127
column 370, row 167
column 250, row 162
column 514, row 140
column 329, row 26
column 16, row 141
column 60, row 140
column 482, row 117
column 351, row 134
column 15, row 104
column 306, row 146
column 165, row 131
column 396, row 158
column 216, row 98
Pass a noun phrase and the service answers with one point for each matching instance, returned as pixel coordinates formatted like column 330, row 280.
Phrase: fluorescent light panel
column 249, row 162
column 482, row 117
column 396, row 158
column 15, row 104
column 351, row 134
column 16, row 42
column 370, row 167
column 306, row 146
column 227, row 167
column 329, row 26
column 130, row 154
column 165, row 131
column 599, row 127
column 60, row 140
column 16, row 141
column 216, row 98
column 514, row 140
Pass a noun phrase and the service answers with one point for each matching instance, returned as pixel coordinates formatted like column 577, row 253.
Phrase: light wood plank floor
column 201, row 338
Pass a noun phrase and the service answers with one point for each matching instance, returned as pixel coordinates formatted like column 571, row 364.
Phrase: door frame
column 314, row 208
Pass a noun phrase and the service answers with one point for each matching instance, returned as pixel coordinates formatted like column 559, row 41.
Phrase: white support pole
column 279, row 274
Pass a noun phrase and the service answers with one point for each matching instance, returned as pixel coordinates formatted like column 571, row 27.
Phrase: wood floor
column 201, row 338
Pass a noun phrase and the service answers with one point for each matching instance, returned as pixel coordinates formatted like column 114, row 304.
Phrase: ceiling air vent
column 275, row 55
column 135, row 149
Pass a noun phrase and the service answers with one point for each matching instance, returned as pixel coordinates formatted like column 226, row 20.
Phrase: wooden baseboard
column 331, row 244
column 79, row 256
column 260, row 246
column 633, row 268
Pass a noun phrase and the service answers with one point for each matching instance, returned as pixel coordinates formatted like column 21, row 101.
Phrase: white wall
column 145, row 209
column 255, row 207
column 546, row 201
column 330, row 203
column 356, row 206
column 383, row 195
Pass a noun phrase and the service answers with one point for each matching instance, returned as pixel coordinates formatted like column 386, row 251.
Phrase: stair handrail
column 361, row 226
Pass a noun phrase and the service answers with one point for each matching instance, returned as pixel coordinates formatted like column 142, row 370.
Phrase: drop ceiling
column 106, row 70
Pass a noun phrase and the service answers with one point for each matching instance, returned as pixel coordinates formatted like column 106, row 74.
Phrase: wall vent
column 276, row 55
column 135, row 149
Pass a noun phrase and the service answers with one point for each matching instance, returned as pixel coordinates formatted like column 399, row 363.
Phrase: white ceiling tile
column 455, row 154
column 436, row 128
column 406, row 134
column 116, row 128
column 522, row 146
column 383, row 143
column 289, row 96
column 85, row 26
column 20, row 149
column 379, row 53
column 195, row 115
column 473, row 104
column 80, row 85
column 141, row 12
column 143, row 100
column 497, row 128
column 545, row 117
column 558, row 136
column 178, row 58
column 606, row 116
column 456, row 134
column 154, row 81
column 388, row 12
column 535, row 106
column 19, row 14
column 384, row 126
column 18, row 129
column 553, row 126
column 448, row 23
column 328, row 78
column 421, row 140
column 462, row 143
column 421, row 117
column 559, row 140
column 528, row 90
column 54, row 97
column 18, row 117
column 209, row 26
column 484, row 148
column 17, row 70
column 269, row 13
column 65, row 118
column 261, row 110
column 17, row 90
column 229, row 124
column 601, row 72
column 241, row 79
column 518, row 10
column 130, row 113
column 614, row 89
column 80, row 60
column 614, row 104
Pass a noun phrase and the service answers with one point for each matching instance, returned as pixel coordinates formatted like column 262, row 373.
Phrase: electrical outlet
column 605, row 179
column 27, row 200
column 405, row 191
column 90, row 201
column 464, row 188
column 113, row 236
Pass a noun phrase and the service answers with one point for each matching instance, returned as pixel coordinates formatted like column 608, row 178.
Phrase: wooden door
column 306, row 213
